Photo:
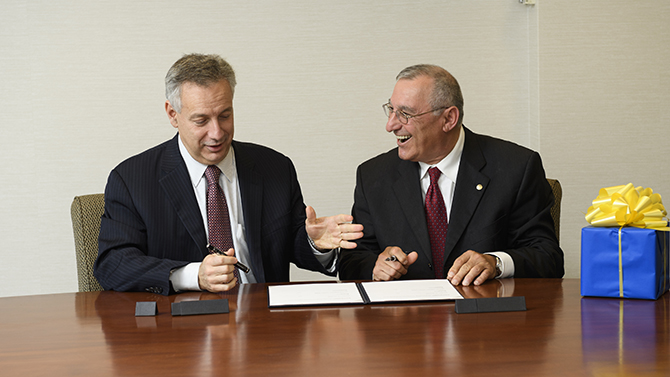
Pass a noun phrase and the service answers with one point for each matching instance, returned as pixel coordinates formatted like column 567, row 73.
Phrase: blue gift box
column 645, row 262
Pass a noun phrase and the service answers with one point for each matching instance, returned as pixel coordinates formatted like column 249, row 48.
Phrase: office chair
column 86, row 211
column 556, row 208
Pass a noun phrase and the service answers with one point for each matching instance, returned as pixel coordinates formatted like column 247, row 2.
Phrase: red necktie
column 218, row 220
column 436, row 217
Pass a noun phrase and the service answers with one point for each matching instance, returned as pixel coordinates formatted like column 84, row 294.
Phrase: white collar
column 449, row 164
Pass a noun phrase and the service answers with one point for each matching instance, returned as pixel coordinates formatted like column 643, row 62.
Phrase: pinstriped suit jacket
column 501, row 202
column 152, row 224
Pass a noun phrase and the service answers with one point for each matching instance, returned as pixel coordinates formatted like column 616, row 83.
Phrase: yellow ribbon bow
column 626, row 205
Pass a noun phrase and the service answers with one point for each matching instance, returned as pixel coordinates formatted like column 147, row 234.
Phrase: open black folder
column 361, row 293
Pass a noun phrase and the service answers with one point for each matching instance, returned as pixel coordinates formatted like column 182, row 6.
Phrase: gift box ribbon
column 626, row 205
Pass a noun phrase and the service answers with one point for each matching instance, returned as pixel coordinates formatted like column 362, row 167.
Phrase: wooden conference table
column 561, row 334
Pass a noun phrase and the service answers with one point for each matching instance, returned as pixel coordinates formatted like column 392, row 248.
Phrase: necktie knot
column 434, row 175
column 212, row 174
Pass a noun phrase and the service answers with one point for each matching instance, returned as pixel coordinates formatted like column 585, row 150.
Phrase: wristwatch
column 499, row 266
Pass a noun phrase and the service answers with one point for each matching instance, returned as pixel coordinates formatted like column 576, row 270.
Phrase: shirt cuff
column 328, row 259
column 507, row 264
column 186, row 278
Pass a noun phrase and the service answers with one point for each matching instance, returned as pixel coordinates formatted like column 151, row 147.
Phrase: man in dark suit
column 154, row 231
column 493, row 196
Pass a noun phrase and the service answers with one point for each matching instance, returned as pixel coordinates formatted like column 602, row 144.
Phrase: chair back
column 86, row 211
column 556, row 208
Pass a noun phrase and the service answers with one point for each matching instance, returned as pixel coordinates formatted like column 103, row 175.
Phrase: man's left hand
column 471, row 267
column 332, row 232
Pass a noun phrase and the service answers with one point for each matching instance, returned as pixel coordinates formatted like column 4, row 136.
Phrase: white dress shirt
column 186, row 278
column 447, row 182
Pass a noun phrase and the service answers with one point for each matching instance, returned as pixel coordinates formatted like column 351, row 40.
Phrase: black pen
column 240, row 265
column 393, row 258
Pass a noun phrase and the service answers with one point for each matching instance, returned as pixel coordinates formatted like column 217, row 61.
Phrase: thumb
column 412, row 257
column 311, row 214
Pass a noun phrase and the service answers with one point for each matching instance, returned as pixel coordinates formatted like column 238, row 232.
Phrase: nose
column 393, row 124
column 215, row 129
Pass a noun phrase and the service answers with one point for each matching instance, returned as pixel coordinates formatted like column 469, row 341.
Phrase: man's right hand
column 216, row 273
column 391, row 270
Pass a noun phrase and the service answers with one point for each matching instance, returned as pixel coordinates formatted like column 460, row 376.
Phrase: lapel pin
column 479, row 187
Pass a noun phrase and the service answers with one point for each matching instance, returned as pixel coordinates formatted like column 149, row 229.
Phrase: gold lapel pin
column 479, row 187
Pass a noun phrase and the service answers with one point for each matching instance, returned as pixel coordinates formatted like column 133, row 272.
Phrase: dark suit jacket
column 152, row 223
column 510, row 213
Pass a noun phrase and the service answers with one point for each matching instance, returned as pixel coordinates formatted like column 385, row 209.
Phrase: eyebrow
column 405, row 109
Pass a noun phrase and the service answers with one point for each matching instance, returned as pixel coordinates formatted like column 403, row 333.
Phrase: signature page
column 313, row 294
column 411, row 290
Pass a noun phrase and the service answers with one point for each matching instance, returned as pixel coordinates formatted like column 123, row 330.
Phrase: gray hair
column 199, row 69
column 446, row 91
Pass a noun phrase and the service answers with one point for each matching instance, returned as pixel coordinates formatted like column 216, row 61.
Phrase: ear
column 450, row 118
column 172, row 114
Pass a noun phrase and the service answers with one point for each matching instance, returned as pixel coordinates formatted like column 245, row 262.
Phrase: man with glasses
column 165, row 206
column 447, row 202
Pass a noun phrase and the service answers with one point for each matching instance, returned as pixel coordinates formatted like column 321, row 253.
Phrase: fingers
column 347, row 236
column 216, row 273
column 472, row 267
column 348, row 233
column 332, row 232
column 343, row 219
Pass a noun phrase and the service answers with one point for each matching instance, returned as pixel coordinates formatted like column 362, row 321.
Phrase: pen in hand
column 393, row 258
column 212, row 249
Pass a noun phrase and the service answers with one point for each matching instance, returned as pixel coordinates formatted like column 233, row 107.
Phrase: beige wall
column 603, row 102
column 581, row 82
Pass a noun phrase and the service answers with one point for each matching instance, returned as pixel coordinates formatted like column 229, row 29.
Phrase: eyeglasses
column 402, row 116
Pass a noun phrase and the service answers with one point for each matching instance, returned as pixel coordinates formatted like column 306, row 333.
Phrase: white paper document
column 361, row 293
column 411, row 290
column 314, row 294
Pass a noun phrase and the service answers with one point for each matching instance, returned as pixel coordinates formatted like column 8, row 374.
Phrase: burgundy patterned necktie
column 436, row 217
column 218, row 220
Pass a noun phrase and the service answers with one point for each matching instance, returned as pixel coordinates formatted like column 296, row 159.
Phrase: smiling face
column 425, row 138
column 205, row 123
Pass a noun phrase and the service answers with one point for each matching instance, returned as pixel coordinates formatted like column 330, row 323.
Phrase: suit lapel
column 177, row 185
column 407, row 189
column 470, row 187
column 251, row 190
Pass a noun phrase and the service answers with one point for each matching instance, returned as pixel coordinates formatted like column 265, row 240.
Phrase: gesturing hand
column 332, row 232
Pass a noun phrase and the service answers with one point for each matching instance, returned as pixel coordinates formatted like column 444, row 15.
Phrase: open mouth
column 403, row 138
